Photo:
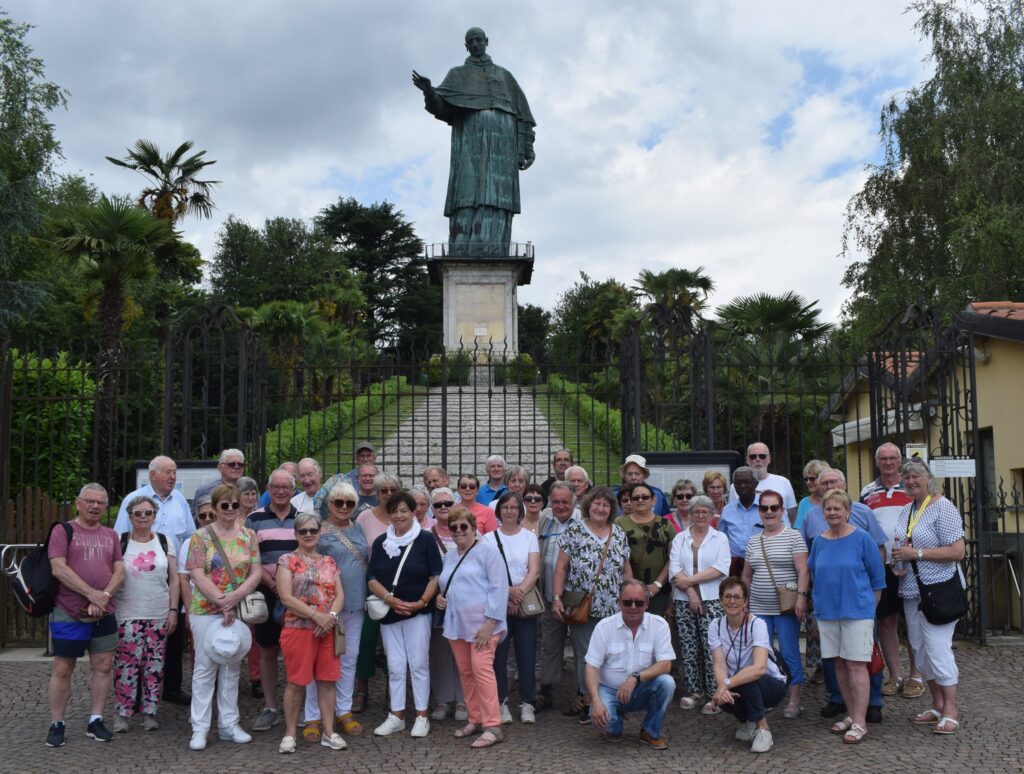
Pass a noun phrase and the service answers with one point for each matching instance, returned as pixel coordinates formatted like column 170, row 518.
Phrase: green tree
column 113, row 241
column 381, row 248
column 28, row 149
column 586, row 323
column 675, row 297
column 941, row 220
column 534, row 327
column 175, row 189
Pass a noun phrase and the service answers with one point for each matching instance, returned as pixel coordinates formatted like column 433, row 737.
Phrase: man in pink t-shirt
column 89, row 570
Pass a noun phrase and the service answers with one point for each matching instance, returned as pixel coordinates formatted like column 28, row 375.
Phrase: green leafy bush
column 298, row 437
column 458, row 369
column 51, row 424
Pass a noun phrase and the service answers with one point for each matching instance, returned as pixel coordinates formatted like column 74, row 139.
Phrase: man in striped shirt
column 275, row 530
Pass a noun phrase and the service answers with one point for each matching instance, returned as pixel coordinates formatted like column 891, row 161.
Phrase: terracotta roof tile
column 1007, row 310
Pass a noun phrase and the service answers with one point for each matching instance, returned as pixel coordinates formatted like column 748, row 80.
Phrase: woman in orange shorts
column 309, row 587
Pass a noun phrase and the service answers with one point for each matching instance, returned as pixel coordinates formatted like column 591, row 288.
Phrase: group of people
column 468, row 588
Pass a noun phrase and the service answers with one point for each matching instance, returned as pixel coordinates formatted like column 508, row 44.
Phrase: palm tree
column 114, row 241
column 175, row 189
column 675, row 296
column 790, row 314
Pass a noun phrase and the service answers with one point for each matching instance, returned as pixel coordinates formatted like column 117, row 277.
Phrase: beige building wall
column 1000, row 377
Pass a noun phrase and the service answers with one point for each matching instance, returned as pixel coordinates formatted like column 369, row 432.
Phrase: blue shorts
column 72, row 638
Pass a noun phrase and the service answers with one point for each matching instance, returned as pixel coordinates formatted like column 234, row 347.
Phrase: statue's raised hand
column 421, row 82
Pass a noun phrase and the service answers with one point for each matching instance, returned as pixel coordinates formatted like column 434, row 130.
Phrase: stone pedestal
column 480, row 298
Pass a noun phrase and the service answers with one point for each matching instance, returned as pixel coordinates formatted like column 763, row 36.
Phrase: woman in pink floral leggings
column 147, row 611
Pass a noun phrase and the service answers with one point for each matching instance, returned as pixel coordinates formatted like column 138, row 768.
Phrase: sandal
column 842, row 726
column 710, row 708
column 359, row 702
column 942, row 731
column 892, row 686
column 690, row 702
column 913, row 687
column 311, row 733
column 927, row 718
column 349, row 724
column 488, row 738
column 467, row 730
column 856, row 734
column 792, row 711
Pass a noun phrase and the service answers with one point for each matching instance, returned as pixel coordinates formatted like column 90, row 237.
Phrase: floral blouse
column 584, row 550
column 313, row 580
column 242, row 551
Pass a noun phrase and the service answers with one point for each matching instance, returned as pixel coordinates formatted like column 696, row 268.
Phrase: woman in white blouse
column 698, row 560
column 474, row 595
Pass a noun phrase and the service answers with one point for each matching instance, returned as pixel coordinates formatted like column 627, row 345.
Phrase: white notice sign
column 954, row 467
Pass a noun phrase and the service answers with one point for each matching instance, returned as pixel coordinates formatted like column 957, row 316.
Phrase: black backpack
column 126, row 535
column 34, row 585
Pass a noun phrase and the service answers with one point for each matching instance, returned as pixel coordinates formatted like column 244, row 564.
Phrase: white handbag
column 376, row 607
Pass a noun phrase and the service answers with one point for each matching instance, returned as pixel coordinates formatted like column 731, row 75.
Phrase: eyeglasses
column 641, row 498
column 810, row 478
column 467, row 486
column 769, row 508
column 757, row 456
column 462, row 526
column 732, row 597
column 533, row 499
column 94, row 503
column 279, row 487
column 832, row 484
column 633, row 602
column 307, row 531
column 343, row 503
column 236, row 465
column 147, row 512
column 388, row 489
column 206, row 516
column 445, row 504
column 229, row 506
column 684, row 496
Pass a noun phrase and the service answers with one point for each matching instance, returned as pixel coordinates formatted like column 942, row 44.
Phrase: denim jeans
column 756, row 698
column 654, row 696
column 788, row 630
column 828, row 668
column 524, row 632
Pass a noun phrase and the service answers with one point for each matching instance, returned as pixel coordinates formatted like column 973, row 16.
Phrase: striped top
column 780, row 548
column 276, row 536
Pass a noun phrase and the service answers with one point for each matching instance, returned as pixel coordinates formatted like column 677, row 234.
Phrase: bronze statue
column 492, row 139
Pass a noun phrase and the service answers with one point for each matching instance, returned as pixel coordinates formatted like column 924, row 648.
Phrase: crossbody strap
column 440, row 543
column 503, row 557
column 223, row 556
column 401, row 564
column 767, row 563
column 458, row 565
column 600, row 566
column 356, row 553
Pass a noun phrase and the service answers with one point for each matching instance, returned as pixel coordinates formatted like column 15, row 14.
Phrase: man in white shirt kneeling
column 629, row 664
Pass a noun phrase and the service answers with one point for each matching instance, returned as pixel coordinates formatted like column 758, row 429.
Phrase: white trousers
column 205, row 676
column 933, row 646
column 407, row 644
column 353, row 621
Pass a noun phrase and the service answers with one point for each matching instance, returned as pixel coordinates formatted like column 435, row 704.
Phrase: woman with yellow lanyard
column 926, row 553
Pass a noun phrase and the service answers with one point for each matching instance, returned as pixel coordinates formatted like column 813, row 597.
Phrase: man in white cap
column 634, row 470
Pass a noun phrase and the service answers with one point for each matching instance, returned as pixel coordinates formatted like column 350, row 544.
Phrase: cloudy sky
column 728, row 135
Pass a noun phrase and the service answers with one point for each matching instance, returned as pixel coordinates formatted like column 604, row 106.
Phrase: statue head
column 476, row 41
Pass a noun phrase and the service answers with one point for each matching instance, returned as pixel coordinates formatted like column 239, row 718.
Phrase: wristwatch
column 636, row 676
column 920, row 554
column 725, row 682
column 659, row 584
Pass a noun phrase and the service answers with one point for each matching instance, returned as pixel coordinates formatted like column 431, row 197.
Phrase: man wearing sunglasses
column 275, row 530
column 629, row 665
column 758, row 460
column 174, row 520
column 231, row 466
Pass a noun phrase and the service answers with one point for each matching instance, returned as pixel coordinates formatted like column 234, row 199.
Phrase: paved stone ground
column 480, row 421
column 990, row 739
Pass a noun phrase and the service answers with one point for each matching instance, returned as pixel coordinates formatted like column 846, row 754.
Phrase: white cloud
column 658, row 136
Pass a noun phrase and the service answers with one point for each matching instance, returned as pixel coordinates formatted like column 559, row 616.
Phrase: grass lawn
column 339, row 455
column 589, row 451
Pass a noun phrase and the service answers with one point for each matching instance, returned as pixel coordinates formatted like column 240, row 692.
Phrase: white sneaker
column 526, row 714
column 287, row 745
column 234, row 734
column 440, row 712
column 421, row 727
column 198, row 741
column 391, row 724
column 745, row 732
column 334, row 741
column 506, row 715
column 762, row 741
column 461, row 713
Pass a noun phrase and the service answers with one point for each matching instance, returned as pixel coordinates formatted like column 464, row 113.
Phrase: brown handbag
column 787, row 596
column 580, row 613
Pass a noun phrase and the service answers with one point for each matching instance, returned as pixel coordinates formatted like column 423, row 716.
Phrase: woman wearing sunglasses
column 444, row 673
column 474, row 596
column 342, row 540
column 535, row 502
column 147, row 611
column 682, row 495
column 776, row 558
column 650, row 542
column 309, row 587
column 218, row 591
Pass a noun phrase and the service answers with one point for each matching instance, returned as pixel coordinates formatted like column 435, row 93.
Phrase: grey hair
column 94, row 487
column 246, row 484
column 632, row 582
column 684, row 483
column 343, row 489
column 224, row 455
column 889, row 444
column 917, row 465
column 442, row 490
column 419, row 489
column 160, row 462
column 746, row 470
column 518, row 470
column 201, row 501
column 495, row 458
column 304, row 518
column 311, row 461
column 702, row 501
column 814, row 467
column 559, row 485
column 837, row 471
column 575, row 468
column 381, row 479
column 140, row 499
column 291, row 478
